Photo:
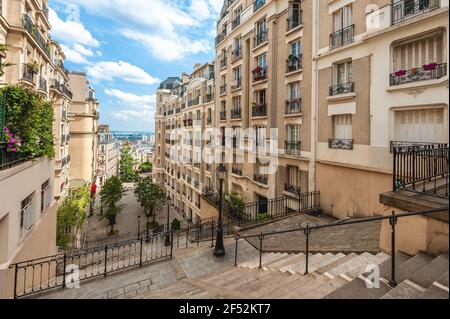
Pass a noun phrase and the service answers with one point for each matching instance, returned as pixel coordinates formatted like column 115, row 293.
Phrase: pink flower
column 6, row 130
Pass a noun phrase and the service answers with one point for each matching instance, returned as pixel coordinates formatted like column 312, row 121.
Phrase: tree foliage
column 72, row 213
column 127, row 164
column 30, row 117
column 150, row 195
column 236, row 203
column 111, row 194
column 146, row 167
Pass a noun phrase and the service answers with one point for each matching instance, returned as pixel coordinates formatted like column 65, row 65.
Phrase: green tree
column 111, row 194
column 146, row 167
column 151, row 197
column 72, row 213
column 127, row 164
column 3, row 65
column 236, row 204
column 176, row 224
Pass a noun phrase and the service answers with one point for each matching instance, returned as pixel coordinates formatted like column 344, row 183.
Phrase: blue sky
column 127, row 47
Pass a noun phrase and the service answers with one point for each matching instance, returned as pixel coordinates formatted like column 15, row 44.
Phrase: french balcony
column 208, row 190
column 340, row 144
column 197, row 165
column 293, row 106
column 292, row 148
column 343, row 88
column 221, row 36
column 236, row 22
column 56, row 85
column 170, row 112
column 259, row 73
column 294, row 21
column 188, row 122
column 342, row 37
column 259, row 110
column 42, row 84
column 257, row 4
column 209, row 97
column 208, row 167
column 223, row 115
column 262, row 179
column 404, row 9
column 196, row 184
column 223, row 63
column 293, row 189
column 236, row 114
column 67, row 92
column 223, row 89
column 293, row 63
column 28, row 75
column 260, row 38
column 426, row 72
column 236, row 53
column 236, row 84
column 236, row 171
column 194, row 102
column 37, row 36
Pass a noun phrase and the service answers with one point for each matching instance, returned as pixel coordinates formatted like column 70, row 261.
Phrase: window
column 292, row 178
column 295, row 48
column 237, row 73
column 260, row 135
column 236, row 101
column 343, row 126
column 293, row 92
column 343, row 73
column 261, row 28
column 261, row 97
column 342, row 18
column 292, row 133
column 262, row 61
column 27, row 212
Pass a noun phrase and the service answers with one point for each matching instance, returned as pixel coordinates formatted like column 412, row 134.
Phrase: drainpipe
column 314, row 98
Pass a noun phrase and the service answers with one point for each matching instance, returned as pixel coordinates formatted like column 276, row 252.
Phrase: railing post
column 106, row 260
column 260, row 237
column 236, row 238
column 15, row 281
column 64, row 270
column 212, row 233
column 198, row 235
column 171, row 244
column 307, row 233
column 140, row 252
column 393, row 222
column 394, row 167
column 187, row 234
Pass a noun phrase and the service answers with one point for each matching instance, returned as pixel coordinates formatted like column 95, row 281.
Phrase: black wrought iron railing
column 236, row 22
column 259, row 73
column 223, row 89
column 236, row 171
column 260, row 178
column 294, row 21
column 342, row 37
column 223, row 62
column 342, row 88
column 293, row 106
column 307, row 230
column 221, row 36
column 292, row 148
column 260, row 38
column 421, row 168
column 236, row 53
column 236, row 113
column 223, row 115
column 9, row 159
column 293, row 189
column 42, row 84
column 405, row 9
column 28, row 74
column 34, row 32
column 426, row 72
column 293, row 63
column 341, row 144
column 259, row 110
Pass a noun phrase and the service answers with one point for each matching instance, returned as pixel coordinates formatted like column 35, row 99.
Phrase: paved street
column 127, row 222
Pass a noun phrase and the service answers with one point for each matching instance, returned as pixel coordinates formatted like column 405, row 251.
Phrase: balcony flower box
column 33, row 67
column 430, row 66
column 400, row 73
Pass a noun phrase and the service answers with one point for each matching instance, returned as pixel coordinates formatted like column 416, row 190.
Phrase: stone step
column 405, row 290
column 356, row 265
column 444, row 279
column 435, row 292
column 275, row 264
column 360, row 269
column 334, row 264
column 261, row 284
column 248, row 279
column 431, row 272
column 329, row 258
column 310, row 288
column 408, row 268
column 266, row 258
column 289, row 260
column 299, row 265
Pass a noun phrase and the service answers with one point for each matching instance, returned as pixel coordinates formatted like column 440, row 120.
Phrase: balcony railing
column 236, row 53
column 223, row 62
column 221, row 36
column 342, row 144
column 34, row 32
column 343, row 88
column 259, row 110
column 236, row 22
column 209, row 97
column 223, row 115
column 236, row 171
column 28, row 74
column 294, row 21
column 260, row 38
column 67, row 92
column 418, row 168
column 42, row 84
column 10, row 159
column 262, row 179
column 236, row 83
column 45, row 10
column 193, row 102
column 293, row 189
column 292, row 148
column 342, row 37
column 223, row 89
column 236, row 113
column 293, row 106
column 259, row 73
column 427, row 72
column 404, row 9
column 258, row 4
column 293, row 63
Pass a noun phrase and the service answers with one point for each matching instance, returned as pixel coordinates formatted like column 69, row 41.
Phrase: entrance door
column 262, row 205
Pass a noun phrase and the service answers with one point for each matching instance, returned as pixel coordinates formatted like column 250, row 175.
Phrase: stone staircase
column 331, row 276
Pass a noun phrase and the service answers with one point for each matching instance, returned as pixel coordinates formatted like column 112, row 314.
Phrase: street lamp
column 167, row 241
column 219, row 249
column 139, row 226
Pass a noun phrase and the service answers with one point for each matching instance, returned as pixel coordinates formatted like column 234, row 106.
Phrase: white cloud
column 108, row 71
column 146, row 102
column 131, row 115
column 73, row 55
column 166, row 48
column 200, row 10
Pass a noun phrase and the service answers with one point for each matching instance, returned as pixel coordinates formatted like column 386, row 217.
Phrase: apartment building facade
column 108, row 155
column 84, row 127
column 29, row 186
column 185, row 109
column 382, row 80
column 263, row 83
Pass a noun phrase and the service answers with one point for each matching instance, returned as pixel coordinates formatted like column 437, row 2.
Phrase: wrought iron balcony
column 294, row 21
column 262, row 179
column 208, row 121
column 223, row 89
column 194, row 101
column 426, row 72
column 28, row 74
column 236, row 113
column 42, row 84
column 259, row 110
column 404, row 9
column 343, row 88
column 223, row 62
column 221, row 36
column 293, row 106
column 236, row 53
column 260, row 38
column 293, row 189
column 292, row 148
column 343, row 144
column 236, row 22
column 342, row 37
column 257, row 4
column 293, row 63
column 209, row 97
column 236, row 171
column 10, row 159
column 37, row 36
column 259, row 73
column 223, row 115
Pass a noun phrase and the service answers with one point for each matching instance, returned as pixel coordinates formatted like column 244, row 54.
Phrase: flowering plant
column 13, row 142
column 400, row 73
column 430, row 66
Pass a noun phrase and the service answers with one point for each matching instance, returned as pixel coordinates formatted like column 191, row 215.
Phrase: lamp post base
column 219, row 249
